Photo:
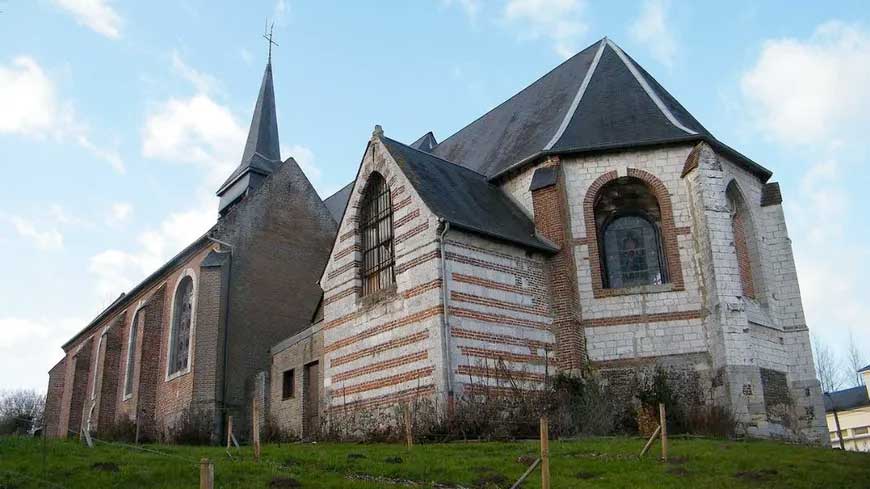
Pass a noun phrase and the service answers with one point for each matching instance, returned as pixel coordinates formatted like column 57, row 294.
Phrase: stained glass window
column 376, row 228
column 182, row 317
column 632, row 254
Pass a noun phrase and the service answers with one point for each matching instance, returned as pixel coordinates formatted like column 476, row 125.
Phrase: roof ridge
column 580, row 92
column 517, row 94
column 648, row 89
column 437, row 157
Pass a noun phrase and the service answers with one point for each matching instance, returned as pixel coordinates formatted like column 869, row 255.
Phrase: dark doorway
column 311, row 401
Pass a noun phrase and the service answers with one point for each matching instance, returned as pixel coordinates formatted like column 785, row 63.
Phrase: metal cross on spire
column 267, row 35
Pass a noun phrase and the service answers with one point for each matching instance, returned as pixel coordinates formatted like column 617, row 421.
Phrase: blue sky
column 118, row 121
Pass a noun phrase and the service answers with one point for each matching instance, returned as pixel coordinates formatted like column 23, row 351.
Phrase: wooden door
column 311, row 400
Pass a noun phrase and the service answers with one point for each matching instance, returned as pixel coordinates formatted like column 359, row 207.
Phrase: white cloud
column 44, row 239
column 560, row 21
column 811, row 95
column 195, row 130
column 119, row 270
column 202, row 82
column 32, row 108
column 119, row 213
column 29, row 347
column 97, row 15
column 279, row 12
column 814, row 90
column 651, row 29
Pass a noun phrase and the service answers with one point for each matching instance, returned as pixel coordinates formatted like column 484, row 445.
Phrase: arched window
column 182, row 318
column 376, row 229
column 628, row 218
column 744, row 241
column 131, row 354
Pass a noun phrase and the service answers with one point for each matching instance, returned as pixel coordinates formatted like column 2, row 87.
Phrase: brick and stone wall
column 290, row 411
column 383, row 348
column 53, row 399
column 501, row 317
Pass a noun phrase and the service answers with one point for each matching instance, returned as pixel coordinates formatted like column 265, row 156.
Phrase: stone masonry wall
column 381, row 349
column 501, row 320
column 638, row 323
column 294, row 354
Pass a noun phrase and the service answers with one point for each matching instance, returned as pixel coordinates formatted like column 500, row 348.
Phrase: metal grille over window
column 376, row 229
column 628, row 219
column 182, row 317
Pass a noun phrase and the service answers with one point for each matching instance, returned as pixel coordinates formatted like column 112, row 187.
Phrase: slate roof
column 847, row 399
column 262, row 152
column 464, row 198
column 336, row 202
column 425, row 143
column 598, row 99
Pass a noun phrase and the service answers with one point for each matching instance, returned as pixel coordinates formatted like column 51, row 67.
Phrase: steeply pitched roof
column 847, row 399
column 262, row 150
column 598, row 99
column 425, row 143
column 464, row 198
column 338, row 201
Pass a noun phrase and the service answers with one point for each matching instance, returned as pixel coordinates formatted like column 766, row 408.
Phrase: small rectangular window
column 860, row 431
column 288, row 384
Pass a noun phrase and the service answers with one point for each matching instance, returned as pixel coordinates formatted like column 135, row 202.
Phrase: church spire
column 262, row 152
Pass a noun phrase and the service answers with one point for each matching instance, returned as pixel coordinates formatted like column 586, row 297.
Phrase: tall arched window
column 131, row 354
column 628, row 219
column 744, row 241
column 182, row 318
column 376, row 229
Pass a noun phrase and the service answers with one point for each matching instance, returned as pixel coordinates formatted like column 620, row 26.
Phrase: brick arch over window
column 669, row 244
column 182, row 324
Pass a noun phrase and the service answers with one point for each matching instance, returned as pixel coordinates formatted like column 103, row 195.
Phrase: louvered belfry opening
column 376, row 229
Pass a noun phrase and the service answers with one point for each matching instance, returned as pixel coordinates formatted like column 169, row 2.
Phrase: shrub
column 273, row 432
column 122, row 430
column 193, row 427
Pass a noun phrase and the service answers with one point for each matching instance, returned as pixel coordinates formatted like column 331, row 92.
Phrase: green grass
column 600, row 463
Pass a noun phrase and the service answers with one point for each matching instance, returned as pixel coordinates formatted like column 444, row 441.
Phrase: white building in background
column 851, row 409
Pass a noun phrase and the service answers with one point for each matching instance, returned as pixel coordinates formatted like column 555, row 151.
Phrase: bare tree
column 21, row 411
column 855, row 360
column 828, row 366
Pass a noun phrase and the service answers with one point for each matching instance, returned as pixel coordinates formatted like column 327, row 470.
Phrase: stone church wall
column 500, row 315
column 279, row 234
column 293, row 354
column 386, row 347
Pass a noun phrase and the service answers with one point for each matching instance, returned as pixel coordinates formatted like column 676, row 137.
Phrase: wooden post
column 409, row 435
column 229, row 431
column 528, row 471
column 663, row 421
column 651, row 440
column 255, row 428
column 545, row 453
column 206, row 474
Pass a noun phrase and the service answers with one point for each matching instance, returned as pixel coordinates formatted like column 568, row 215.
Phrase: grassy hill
column 600, row 463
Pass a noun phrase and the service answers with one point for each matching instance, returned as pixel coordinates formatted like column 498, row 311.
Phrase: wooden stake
column 229, row 431
column 409, row 435
column 522, row 478
column 545, row 453
column 663, row 422
column 255, row 426
column 651, row 440
column 206, row 474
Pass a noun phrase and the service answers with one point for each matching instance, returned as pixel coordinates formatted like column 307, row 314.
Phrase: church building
column 588, row 223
